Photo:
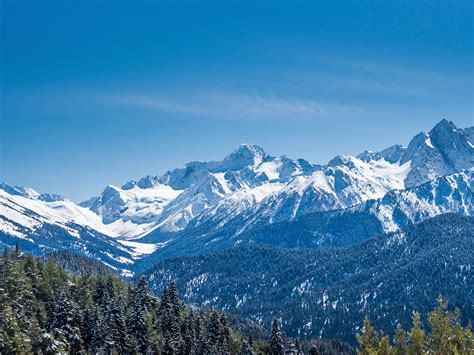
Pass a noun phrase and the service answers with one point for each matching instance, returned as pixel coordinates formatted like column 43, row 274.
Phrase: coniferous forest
column 45, row 309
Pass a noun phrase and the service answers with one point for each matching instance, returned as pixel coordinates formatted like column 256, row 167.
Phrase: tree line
column 446, row 335
column 47, row 310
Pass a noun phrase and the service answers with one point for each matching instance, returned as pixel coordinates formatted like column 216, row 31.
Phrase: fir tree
column 189, row 337
column 64, row 325
column 224, row 335
column 116, row 334
column 213, row 331
column 368, row 340
column 12, row 338
column 276, row 338
column 417, row 343
column 137, row 322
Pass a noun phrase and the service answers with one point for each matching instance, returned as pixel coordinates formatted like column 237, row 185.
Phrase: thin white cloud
column 225, row 105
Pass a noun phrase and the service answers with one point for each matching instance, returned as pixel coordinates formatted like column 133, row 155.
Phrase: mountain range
column 251, row 197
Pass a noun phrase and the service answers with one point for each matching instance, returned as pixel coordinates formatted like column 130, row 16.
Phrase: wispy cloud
column 227, row 105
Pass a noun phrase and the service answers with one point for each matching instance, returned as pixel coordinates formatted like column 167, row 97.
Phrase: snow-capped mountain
column 396, row 210
column 248, row 189
column 169, row 202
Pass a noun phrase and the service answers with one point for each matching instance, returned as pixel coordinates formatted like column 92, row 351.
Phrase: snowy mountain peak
column 245, row 155
column 444, row 150
column 19, row 191
column 444, row 126
column 31, row 194
column 340, row 160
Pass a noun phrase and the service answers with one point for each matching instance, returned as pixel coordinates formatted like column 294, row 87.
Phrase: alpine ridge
column 213, row 205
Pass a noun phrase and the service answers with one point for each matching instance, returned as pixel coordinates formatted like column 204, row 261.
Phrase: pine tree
column 65, row 325
column 142, row 294
column 400, row 341
column 190, row 345
column 99, row 295
column 469, row 339
column 224, row 335
column 447, row 334
column 417, row 343
column 368, row 340
column 50, row 345
column 116, row 334
column 169, row 322
column 137, row 323
column 276, row 338
column 98, row 330
column 163, row 308
column 87, row 328
column 12, row 338
column 174, row 299
column 213, row 331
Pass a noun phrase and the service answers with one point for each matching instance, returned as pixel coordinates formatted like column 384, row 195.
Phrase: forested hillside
column 327, row 292
column 44, row 309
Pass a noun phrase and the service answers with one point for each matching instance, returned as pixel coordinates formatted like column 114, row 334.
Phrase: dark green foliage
column 326, row 291
column 44, row 309
column 276, row 339
column 76, row 264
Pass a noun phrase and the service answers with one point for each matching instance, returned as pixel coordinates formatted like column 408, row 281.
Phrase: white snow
column 271, row 169
column 428, row 141
column 222, row 181
column 31, row 214
column 141, row 249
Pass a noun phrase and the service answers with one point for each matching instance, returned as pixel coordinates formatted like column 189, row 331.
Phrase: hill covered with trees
column 86, row 310
column 326, row 292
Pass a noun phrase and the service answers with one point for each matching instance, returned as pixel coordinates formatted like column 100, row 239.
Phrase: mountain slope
column 397, row 209
column 42, row 227
column 327, row 292
column 212, row 205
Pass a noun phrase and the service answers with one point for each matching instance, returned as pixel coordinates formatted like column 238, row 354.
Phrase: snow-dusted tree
column 13, row 339
column 224, row 335
column 190, row 345
column 64, row 323
column 116, row 333
column 276, row 338
column 169, row 321
column 137, row 322
column 213, row 331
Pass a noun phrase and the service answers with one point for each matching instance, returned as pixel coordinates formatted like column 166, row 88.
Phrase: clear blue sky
column 99, row 92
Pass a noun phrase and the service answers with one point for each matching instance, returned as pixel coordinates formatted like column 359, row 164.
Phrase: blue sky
column 99, row 92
